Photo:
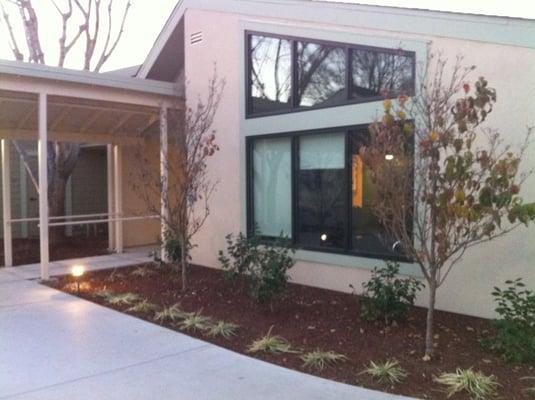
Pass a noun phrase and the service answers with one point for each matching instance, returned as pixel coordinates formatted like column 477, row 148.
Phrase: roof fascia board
column 37, row 71
column 499, row 30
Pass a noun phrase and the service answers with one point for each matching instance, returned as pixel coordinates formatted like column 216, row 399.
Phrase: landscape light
column 323, row 237
column 77, row 271
column 389, row 157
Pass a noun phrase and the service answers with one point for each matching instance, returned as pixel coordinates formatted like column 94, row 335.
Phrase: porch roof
column 82, row 106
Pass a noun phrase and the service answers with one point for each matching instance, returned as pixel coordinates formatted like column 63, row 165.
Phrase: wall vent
column 196, row 37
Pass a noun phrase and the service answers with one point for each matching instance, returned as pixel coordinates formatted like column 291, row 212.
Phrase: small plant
column 515, row 339
column 171, row 247
column 388, row 297
column 195, row 322
column 388, row 372
column 223, row 328
column 123, row 299
column 115, row 276
column 104, row 294
column 476, row 384
column 241, row 253
column 265, row 265
column 142, row 272
column 271, row 344
column 320, row 359
column 530, row 391
column 143, row 306
column 172, row 314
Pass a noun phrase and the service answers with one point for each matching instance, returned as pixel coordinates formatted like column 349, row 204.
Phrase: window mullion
column 294, row 166
column 349, row 177
column 295, row 76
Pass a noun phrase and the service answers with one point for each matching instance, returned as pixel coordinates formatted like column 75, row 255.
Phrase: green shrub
column 172, row 247
column 515, row 339
column 386, row 296
column 265, row 265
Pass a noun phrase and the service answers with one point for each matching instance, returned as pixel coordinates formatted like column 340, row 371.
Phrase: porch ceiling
column 74, row 118
column 83, row 107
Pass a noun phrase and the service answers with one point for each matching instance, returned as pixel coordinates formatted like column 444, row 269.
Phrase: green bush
column 515, row 339
column 172, row 248
column 265, row 265
column 386, row 296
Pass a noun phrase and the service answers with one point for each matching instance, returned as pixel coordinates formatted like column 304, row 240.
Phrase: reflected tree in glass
column 380, row 74
column 321, row 74
column 271, row 72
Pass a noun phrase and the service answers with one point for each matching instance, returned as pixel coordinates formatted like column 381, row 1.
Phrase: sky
column 147, row 18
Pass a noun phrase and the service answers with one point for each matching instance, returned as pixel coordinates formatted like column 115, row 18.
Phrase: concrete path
column 56, row 346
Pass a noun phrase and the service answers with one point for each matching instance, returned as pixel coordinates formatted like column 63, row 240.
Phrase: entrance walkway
column 56, row 346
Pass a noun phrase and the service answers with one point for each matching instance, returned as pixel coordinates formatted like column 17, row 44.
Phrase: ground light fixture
column 323, row 237
column 77, row 271
column 389, row 157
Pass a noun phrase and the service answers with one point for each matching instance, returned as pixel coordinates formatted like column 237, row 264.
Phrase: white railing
column 87, row 221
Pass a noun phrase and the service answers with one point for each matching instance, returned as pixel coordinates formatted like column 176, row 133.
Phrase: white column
column 164, row 178
column 43, row 186
column 111, row 224
column 6, row 203
column 68, row 204
column 23, row 196
column 118, row 183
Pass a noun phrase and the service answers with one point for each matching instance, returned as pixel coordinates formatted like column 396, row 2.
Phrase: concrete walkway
column 56, row 346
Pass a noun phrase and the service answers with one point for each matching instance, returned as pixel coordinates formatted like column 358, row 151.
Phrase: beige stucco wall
column 89, row 193
column 511, row 70
column 140, row 232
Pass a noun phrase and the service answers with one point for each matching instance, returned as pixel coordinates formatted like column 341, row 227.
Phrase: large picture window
column 287, row 74
column 315, row 189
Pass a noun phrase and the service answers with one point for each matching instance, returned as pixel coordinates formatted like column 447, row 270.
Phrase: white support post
column 43, row 185
column 23, row 196
column 68, row 204
column 6, row 203
column 111, row 206
column 164, row 178
column 118, row 198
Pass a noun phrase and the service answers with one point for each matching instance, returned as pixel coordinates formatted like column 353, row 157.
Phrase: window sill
column 355, row 261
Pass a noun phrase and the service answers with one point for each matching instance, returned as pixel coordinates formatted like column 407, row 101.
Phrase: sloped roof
column 501, row 30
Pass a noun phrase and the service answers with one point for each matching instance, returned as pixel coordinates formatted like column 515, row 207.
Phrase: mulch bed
column 311, row 318
column 26, row 251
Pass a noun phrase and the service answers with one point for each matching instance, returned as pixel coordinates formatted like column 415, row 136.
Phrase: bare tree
column 449, row 183
column 100, row 42
column 189, row 187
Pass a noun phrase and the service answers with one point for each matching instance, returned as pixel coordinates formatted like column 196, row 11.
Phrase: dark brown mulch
column 311, row 318
column 26, row 251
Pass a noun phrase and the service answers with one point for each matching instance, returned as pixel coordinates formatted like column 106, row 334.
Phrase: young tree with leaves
column 97, row 38
column 452, row 183
column 188, row 188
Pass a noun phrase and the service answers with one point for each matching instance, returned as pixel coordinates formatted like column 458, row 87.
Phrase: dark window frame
column 294, row 107
column 348, row 131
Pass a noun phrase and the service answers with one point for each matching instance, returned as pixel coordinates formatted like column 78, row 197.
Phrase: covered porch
column 41, row 104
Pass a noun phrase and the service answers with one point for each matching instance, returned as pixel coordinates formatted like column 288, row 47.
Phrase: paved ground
column 55, row 346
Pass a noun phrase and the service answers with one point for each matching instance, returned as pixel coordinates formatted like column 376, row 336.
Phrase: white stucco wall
column 511, row 70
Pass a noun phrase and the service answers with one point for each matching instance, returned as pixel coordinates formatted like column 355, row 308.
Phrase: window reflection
column 368, row 235
column 321, row 190
column 377, row 73
column 321, row 74
column 271, row 71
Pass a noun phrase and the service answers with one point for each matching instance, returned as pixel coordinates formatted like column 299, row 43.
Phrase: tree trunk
column 184, row 264
column 56, row 201
column 429, row 347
